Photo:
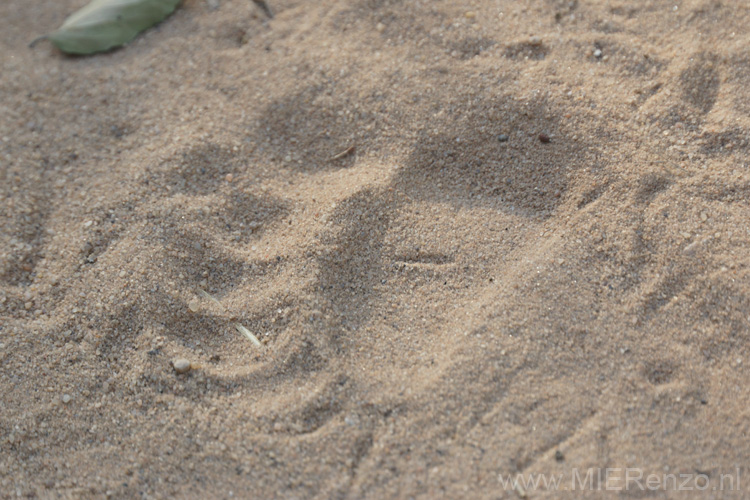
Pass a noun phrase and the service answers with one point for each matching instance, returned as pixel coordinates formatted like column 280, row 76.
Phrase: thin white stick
column 244, row 331
column 247, row 333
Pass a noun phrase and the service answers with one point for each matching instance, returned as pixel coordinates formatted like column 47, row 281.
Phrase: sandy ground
column 535, row 259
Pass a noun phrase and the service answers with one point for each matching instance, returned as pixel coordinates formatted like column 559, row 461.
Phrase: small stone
column 559, row 456
column 535, row 41
column 598, row 53
column 502, row 138
column 194, row 305
column 380, row 27
column 229, row 177
column 544, row 138
column 181, row 365
column 66, row 398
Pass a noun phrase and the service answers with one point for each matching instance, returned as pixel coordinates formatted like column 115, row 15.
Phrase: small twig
column 37, row 40
column 247, row 333
column 349, row 150
column 264, row 6
column 244, row 331
column 208, row 296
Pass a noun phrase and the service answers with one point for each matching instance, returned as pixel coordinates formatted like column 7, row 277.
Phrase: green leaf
column 105, row 24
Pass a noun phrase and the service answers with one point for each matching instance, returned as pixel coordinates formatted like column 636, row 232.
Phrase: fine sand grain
column 473, row 238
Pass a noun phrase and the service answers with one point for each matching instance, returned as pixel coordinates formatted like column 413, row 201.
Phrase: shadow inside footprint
column 352, row 267
column 306, row 131
column 700, row 83
column 498, row 153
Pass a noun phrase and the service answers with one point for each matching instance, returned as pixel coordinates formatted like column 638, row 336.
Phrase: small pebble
column 194, row 305
column 502, row 138
column 544, row 138
column 66, row 398
column 535, row 41
column 559, row 456
column 380, row 27
column 598, row 53
column 181, row 365
column 229, row 177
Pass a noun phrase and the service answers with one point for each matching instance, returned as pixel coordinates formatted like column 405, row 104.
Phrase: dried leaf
column 105, row 24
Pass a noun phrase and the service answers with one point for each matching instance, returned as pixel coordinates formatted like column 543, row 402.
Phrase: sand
column 474, row 239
